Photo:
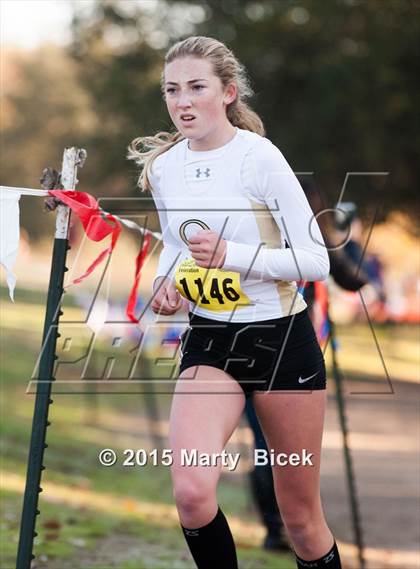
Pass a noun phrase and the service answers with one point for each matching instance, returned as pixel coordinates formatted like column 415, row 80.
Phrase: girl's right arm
column 166, row 299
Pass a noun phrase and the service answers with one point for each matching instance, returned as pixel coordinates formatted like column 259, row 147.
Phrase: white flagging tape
column 130, row 224
column 44, row 193
column 26, row 191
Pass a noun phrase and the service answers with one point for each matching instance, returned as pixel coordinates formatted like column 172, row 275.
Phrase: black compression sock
column 212, row 545
column 330, row 560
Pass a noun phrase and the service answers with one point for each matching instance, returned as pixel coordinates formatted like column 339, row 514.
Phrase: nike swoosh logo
column 303, row 380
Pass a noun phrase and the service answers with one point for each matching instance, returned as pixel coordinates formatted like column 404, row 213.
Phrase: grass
column 388, row 349
column 93, row 516
column 61, row 530
column 98, row 517
column 84, row 537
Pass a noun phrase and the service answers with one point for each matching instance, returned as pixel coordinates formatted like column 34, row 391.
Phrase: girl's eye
column 198, row 87
column 170, row 90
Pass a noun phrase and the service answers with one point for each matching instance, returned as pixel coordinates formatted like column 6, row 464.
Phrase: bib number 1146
column 228, row 291
column 213, row 289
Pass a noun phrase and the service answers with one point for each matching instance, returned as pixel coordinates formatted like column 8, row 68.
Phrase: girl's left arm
column 278, row 188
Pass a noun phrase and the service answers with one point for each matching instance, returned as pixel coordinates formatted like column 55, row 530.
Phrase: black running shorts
column 279, row 354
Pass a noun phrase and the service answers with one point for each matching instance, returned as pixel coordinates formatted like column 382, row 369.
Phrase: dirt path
column 385, row 449
column 110, row 551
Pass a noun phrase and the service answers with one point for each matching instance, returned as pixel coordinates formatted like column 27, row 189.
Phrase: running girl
column 238, row 232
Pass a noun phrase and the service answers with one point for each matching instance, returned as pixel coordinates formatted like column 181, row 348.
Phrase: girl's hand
column 166, row 298
column 208, row 249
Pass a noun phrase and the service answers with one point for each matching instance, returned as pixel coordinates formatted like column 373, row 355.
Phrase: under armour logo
column 191, row 532
column 329, row 557
column 198, row 172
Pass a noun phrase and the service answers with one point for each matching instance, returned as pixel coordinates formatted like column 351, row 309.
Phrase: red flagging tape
column 131, row 304
column 95, row 223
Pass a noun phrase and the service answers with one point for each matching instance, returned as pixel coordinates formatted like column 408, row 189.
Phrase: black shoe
column 276, row 542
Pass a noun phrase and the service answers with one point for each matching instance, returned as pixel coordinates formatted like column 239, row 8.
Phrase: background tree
column 335, row 83
column 43, row 109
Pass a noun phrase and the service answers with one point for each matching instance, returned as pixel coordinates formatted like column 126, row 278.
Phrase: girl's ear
column 231, row 93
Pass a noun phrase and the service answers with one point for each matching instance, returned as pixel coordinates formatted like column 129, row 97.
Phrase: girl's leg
column 206, row 408
column 293, row 421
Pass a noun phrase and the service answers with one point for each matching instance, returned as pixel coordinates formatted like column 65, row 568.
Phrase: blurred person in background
column 349, row 226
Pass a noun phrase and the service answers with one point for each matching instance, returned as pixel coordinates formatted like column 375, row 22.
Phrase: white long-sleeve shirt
column 247, row 193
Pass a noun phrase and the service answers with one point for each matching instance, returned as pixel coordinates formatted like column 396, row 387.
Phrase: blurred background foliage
column 335, row 84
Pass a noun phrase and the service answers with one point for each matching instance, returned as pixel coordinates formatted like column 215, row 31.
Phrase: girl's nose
column 184, row 100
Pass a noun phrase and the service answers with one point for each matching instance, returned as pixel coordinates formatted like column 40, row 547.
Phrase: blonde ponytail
column 144, row 150
column 242, row 116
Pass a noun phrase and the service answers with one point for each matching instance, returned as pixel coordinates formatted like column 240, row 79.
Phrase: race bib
column 212, row 289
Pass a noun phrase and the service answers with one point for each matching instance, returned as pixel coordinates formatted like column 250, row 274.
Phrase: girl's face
column 197, row 101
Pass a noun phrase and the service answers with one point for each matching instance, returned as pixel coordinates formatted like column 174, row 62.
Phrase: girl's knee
column 191, row 496
column 302, row 520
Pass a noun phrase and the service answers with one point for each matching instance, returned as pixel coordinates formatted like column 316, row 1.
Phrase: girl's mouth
column 187, row 119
